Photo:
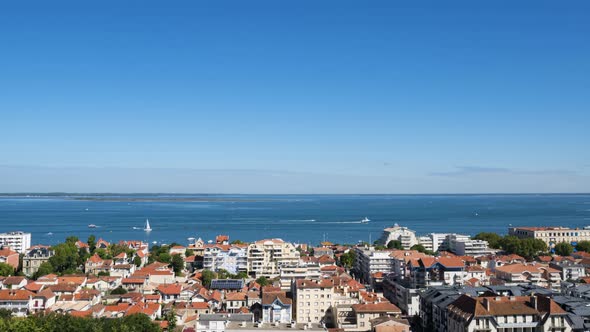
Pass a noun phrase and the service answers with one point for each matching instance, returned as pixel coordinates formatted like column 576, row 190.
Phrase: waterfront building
column 232, row 258
column 514, row 313
column 34, row 257
column 552, row 235
column 406, row 236
column 266, row 257
column 463, row 245
column 433, row 241
column 17, row 241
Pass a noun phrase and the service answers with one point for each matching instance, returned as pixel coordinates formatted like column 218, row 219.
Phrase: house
column 276, row 307
column 234, row 301
column 358, row 317
column 34, row 257
column 178, row 250
column 95, row 265
column 9, row 256
column 18, row 301
column 14, row 282
column 43, row 300
column 222, row 239
column 170, row 292
column 134, row 284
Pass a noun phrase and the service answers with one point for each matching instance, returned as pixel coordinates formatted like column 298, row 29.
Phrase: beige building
column 34, row 258
column 514, row 313
column 552, row 235
column 315, row 299
column 360, row 317
column 266, row 257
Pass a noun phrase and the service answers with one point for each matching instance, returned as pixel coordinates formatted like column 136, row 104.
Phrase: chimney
column 486, row 303
column 534, row 302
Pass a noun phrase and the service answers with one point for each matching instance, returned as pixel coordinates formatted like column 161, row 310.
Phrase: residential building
column 513, row 313
column 535, row 274
column 369, row 261
column 232, row 258
column 431, row 271
column 569, row 270
column 266, row 257
column 10, row 257
column 359, row 317
column 314, row 299
column 276, row 308
column 406, row 236
column 34, row 257
column 18, row 301
column 552, row 235
column 17, row 241
column 433, row 241
column 463, row 245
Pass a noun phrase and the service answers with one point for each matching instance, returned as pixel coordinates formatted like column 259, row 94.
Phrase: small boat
column 365, row 220
column 92, row 226
column 190, row 238
column 154, row 242
column 49, row 234
column 147, row 226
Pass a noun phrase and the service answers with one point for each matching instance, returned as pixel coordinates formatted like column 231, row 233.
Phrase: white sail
column 147, row 226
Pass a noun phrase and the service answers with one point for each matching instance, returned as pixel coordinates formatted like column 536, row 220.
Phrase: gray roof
column 227, row 317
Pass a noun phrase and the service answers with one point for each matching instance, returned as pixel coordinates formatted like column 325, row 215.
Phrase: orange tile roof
column 235, row 296
column 15, row 295
column 76, row 313
column 173, row 289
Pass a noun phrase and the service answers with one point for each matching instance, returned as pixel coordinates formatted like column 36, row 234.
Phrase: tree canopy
column 59, row 323
column 395, row 244
column 564, row 249
column 493, row 239
column 583, row 246
column 6, row 270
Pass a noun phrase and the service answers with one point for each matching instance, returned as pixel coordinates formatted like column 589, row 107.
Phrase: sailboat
column 147, row 226
column 365, row 220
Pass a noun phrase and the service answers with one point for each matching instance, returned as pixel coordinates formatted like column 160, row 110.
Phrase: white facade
column 463, row 245
column 17, row 241
column 403, row 234
column 266, row 257
column 433, row 241
column 232, row 259
column 369, row 261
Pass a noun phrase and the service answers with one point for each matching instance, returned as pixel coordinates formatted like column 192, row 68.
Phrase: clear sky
column 295, row 96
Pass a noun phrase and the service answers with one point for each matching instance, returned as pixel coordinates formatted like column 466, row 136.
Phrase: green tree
column 420, row 248
column 171, row 318
column 223, row 274
column 348, row 259
column 207, row 276
column 564, row 249
column 102, row 253
column 263, row 281
column 177, row 263
column 119, row 290
column 237, row 242
column 188, row 253
column 583, row 246
column 164, row 257
column 44, row 269
column 65, row 258
column 72, row 239
column 240, row 275
column 492, row 238
column 91, row 243
column 137, row 261
column 6, row 270
column 395, row 244
column 5, row 313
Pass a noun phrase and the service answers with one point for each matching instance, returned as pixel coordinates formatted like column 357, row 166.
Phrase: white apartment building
column 369, row 261
column 463, row 245
column 552, row 235
column 266, row 257
column 234, row 259
column 17, row 241
column 289, row 274
column 433, row 241
column 403, row 234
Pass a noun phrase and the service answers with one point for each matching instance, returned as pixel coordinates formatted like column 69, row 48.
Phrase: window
column 362, row 324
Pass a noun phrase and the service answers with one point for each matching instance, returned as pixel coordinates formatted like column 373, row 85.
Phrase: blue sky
column 295, row 96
